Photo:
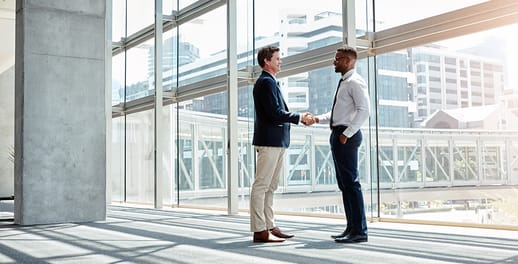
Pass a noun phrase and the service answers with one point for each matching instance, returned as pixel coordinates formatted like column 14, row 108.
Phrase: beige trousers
column 269, row 166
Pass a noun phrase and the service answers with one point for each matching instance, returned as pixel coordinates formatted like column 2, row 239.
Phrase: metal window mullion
column 108, row 98
column 125, row 129
column 171, row 149
column 232, row 87
column 159, row 138
column 395, row 168
column 423, row 161
column 480, row 166
column 508, row 160
column 451, row 158
column 195, row 157
column 349, row 22
column 312, row 162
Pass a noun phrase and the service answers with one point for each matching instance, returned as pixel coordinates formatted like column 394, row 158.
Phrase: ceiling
column 7, row 29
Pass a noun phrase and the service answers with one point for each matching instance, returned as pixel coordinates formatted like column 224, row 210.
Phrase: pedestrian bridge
column 403, row 165
column 402, row 159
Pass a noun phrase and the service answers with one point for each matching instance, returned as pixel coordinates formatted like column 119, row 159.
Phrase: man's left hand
column 343, row 139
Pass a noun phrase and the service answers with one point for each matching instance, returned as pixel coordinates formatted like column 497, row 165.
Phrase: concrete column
column 60, row 117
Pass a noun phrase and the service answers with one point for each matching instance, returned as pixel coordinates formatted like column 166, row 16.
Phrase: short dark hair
column 349, row 52
column 266, row 53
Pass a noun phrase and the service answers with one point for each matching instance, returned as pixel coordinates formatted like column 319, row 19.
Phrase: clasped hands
column 308, row 119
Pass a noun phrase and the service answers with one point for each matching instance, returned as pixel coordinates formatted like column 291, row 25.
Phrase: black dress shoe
column 352, row 239
column 343, row 234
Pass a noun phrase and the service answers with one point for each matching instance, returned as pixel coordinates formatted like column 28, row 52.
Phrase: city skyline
column 309, row 35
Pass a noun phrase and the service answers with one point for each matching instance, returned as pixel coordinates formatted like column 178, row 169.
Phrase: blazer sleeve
column 272, row 103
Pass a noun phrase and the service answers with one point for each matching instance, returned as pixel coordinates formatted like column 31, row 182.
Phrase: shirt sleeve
column 324, row 118
column 360, row 96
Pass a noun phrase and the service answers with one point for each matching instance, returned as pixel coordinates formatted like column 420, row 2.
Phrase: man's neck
column 270, row 72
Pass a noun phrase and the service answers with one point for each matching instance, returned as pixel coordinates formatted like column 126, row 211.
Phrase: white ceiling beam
column 456, row 23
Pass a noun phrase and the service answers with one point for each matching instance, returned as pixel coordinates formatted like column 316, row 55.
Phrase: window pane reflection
column 446, row 115
column 118, row 70
column 140, row 71
column 168, row 6
column 185, row 3
column 308, row 27
column 398, row 12
column 140, row 157
column 170, row 60
column 117, row 160
column 141, row 14
column 201, row 156
column 454, row 156
column 202, row 51
column 118, row 19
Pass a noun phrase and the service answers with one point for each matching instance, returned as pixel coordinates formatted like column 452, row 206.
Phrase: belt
column 339, row 128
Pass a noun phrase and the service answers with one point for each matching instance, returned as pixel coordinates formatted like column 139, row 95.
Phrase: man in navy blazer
column 271, row 138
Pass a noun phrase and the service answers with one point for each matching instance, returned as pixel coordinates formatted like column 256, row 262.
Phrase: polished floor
column 140, row 235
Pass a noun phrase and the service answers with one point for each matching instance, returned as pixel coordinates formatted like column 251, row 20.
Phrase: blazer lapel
column 279, row 94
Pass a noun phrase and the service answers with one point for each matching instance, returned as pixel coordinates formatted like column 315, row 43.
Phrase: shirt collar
column 347, row 74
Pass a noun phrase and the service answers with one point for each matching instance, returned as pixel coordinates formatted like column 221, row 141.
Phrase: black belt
column 339, row 128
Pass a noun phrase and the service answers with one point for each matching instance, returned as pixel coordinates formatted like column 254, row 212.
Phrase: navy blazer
column 272, row 117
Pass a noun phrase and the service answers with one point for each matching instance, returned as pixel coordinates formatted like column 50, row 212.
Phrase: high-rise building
column 447, row 80
column 412, row 83
column 395, row 78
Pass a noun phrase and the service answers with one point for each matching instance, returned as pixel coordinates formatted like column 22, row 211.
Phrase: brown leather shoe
column 265, row 237
column 278, row 233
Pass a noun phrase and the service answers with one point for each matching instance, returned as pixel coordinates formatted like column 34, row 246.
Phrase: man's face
column 341, row 62
column 274, row 65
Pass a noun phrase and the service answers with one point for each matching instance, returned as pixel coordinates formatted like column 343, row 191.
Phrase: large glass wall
column 439, row 145
column 394, row 13
column 457, row 159
column 139, row 159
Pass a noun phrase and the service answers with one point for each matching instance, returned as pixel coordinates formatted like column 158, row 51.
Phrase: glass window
column 307, row 27
column 171, row 60
column 398, row 12
column 168, row 155
column 118, row 20
column 140, row 14
column 201, row 159
column 140, row 71
column 203, row 55
column 117, row 160
column 118, row 77
column 140, row 161
column 168, row 6
column 446, row 112
column 185, row 3
column 458, row 143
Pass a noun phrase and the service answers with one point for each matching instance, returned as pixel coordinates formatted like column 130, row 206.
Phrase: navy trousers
column 345, row 157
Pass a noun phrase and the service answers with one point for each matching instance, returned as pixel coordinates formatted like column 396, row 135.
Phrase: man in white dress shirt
column 350, row 110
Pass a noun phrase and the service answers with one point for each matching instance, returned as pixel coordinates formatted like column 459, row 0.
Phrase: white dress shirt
column 352, row 104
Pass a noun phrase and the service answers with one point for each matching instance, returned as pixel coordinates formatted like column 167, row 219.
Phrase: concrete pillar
column 60, row 117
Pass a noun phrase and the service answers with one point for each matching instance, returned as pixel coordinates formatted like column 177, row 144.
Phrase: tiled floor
column 138, row 235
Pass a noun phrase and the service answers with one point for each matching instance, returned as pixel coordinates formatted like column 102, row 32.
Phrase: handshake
column 308, row 119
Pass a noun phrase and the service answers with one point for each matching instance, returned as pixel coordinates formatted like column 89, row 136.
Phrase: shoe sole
column 268, row 241
column 352, row 241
